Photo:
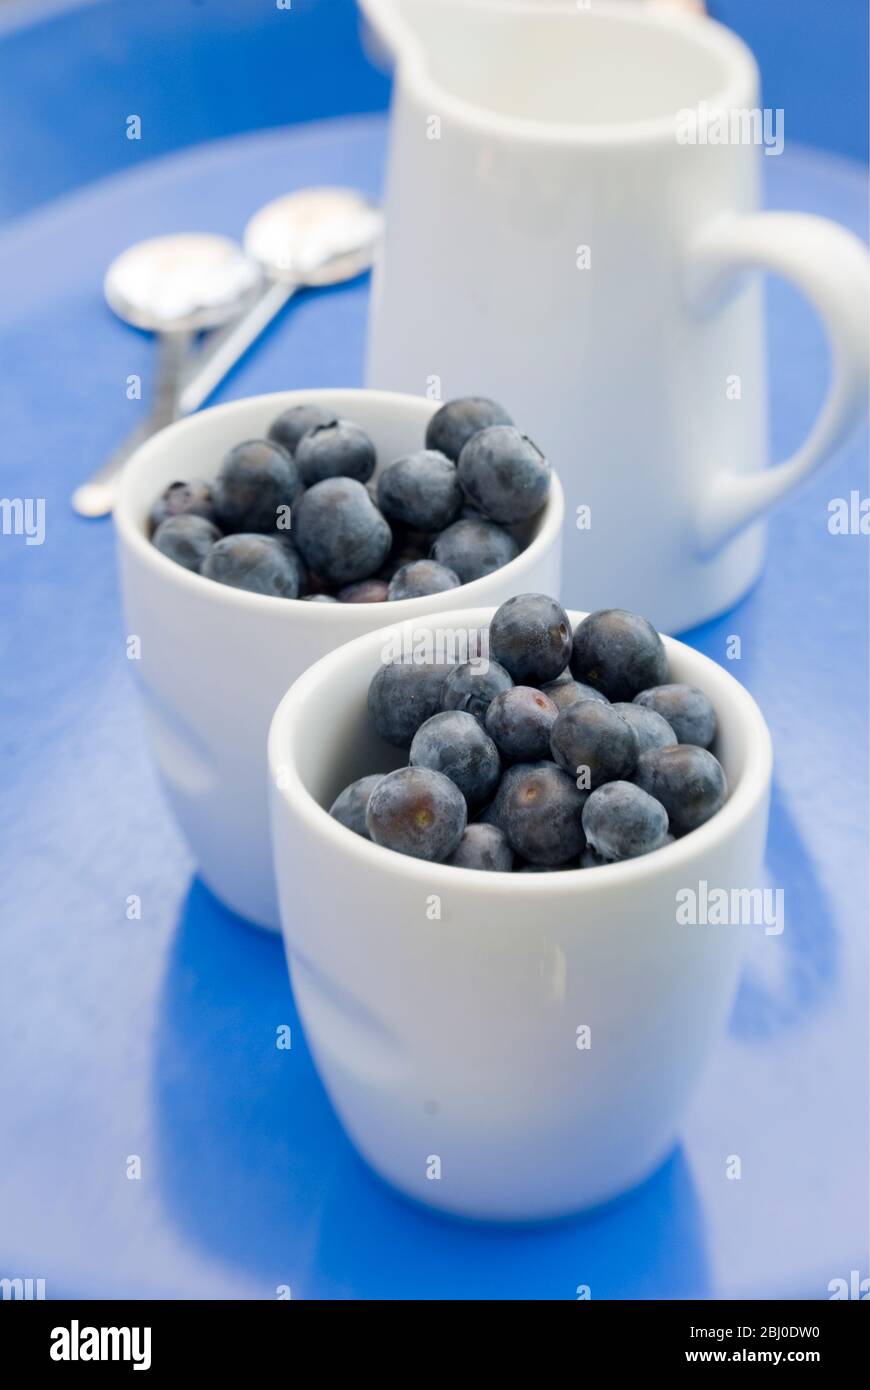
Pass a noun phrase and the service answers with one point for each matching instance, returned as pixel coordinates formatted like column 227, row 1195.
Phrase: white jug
column 572, row 197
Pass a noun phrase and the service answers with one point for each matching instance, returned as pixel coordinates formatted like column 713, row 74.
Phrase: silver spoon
column 173, row 286
column 309, row 239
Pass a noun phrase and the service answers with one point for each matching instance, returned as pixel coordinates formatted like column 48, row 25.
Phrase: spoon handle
column 96, row 497
column 224, row 350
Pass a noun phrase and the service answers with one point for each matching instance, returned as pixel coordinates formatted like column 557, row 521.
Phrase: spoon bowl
column 316, row 237
column 186, row 282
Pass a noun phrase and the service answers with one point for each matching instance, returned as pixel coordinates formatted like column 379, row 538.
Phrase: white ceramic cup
column 555, row 239
column 214, row 661
column 442, row 1005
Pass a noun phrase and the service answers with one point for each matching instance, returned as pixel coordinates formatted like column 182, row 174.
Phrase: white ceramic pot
column 215, row 661
column 442, row 1005
column 572, row 213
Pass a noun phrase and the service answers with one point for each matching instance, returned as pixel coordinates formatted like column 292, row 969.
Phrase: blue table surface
column 182, row 65
column 156, row 1038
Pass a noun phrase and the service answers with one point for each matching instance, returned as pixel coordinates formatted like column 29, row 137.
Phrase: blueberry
column 687, row 780
column 652, row 730
column 402, row 696
column 590, row 860
column 539, row 811
column 417, row 811
column 483, row 847
column 473, row 686
column 350, row 806
column 487, row 816
column 474, row 548
column 566, row 691
column 520, row 721
column 288, row 428
column 591, row 735
column 186, row 539
column 453, row 742
column 341, row 534
column 320, row 598
column 364, row 591
column 260, row 564
column 337, row 449
column 509, row 776
column 530, row 635
column 619, row 653
column 183, row 499
column 687, row 709
column 257, row 482
column 504, row 474
column 421, row 577
column 621, row 821
column 453, row 425
column 421, row 490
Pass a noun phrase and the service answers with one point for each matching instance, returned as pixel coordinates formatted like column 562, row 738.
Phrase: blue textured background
column 156, row 1038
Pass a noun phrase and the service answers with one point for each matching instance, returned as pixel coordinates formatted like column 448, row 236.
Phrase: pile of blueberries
column 560, row 751
column 298, row 514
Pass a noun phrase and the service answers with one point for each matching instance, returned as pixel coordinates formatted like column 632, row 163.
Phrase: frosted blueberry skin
column 183, row 499
column 652, row 730
column 454, row 424
column 336, row 449
column 453, row 742
column 688, row 781
column 688, row 711
column 474, row 548
column 320, row 598
column 402, row 696
column 530, row 636
column 483, row 846
column 619, row 653
column 421, row 490
column 595, row 736
column 504, row 474
column 565, row 691
column 419, row 578
column 260, row 564
column 350, row 806
column 472, row 687
column 417, row 811
column 622, row 821
column 519, row 721
column 288, row 428
column 364, row 591
column 257, row 482
column 341, row 534
column 539, row 811
column 186, row 539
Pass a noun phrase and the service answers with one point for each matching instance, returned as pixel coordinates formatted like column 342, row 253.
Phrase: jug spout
column 393, row 23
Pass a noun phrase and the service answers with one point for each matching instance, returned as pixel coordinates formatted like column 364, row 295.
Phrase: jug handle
column 832, row 269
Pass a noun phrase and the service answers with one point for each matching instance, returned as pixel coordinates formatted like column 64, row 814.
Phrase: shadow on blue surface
column 255, row 1169
column 809, row 942
column 807, row 949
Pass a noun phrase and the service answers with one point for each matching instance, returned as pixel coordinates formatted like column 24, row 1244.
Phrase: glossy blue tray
column 156, row 1038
